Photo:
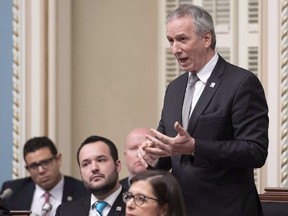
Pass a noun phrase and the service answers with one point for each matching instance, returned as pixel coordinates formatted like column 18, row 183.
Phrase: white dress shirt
column 55, row 198
column 203, row 76
column 110, row 200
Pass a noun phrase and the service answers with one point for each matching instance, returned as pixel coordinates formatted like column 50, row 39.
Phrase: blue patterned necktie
column 100, row 206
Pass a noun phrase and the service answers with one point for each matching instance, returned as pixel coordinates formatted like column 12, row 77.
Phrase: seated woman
column 154, row 193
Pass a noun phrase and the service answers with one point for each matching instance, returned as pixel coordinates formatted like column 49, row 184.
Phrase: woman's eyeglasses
column 139, row 199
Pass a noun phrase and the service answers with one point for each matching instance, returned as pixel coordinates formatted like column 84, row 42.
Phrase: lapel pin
column 118, row 208
column 69, row 198
column 212, row 85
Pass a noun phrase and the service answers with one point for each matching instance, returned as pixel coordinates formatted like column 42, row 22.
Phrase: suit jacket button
column 183, row 164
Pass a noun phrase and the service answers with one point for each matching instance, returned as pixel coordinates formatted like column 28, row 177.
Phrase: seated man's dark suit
column 125, row 183
column 23, row 191
column 4, row 211
column 82, row 207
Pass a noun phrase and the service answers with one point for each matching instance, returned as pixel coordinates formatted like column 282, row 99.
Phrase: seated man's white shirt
column 109, row 200
column 55, row 198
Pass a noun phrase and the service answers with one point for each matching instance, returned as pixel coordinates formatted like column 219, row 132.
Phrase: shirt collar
column 110, row 199
column 56, row 191
column 206, row 71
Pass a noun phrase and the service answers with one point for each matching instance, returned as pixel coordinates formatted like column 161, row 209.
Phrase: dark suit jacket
column 230, row 127
column 4, row 211
column 82, row 207
column 23, row 191
column 125, row 183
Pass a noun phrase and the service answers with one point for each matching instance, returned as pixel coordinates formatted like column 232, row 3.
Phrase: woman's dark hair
column 166, row 189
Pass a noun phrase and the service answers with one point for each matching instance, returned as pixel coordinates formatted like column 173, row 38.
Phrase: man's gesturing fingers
column 179, row 129
column 140, row 155
column 145, row 158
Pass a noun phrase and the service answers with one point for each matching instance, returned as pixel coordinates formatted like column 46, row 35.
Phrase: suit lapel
column 67, row 191
column 211, row 87
column 28, row 194
column 118, row 207
column 83, row 208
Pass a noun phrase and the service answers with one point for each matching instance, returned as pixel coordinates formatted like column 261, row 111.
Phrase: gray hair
column 202, row 20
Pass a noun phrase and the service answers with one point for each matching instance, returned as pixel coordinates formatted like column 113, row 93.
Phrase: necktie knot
column 46, row 197
column 193, row 79
column 100, row 206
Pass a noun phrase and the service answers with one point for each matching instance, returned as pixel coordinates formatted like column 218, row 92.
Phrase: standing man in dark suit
column 133, row 140
column 227, row 134
column 43, row 163
column 99, row 168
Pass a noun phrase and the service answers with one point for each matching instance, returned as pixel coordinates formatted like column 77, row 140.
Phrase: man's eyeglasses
column 139, row 199
column 45, row 164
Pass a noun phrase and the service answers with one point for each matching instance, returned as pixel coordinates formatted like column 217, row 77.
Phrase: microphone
column 46, row 209
column 6, row 193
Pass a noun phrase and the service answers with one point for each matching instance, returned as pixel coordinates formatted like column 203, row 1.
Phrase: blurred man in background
column 46, row 182
column 133, row 140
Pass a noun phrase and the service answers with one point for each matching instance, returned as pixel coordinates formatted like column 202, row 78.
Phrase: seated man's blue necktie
column 100, row 206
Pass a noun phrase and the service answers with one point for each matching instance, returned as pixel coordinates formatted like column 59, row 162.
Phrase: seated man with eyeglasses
column 46, row 182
